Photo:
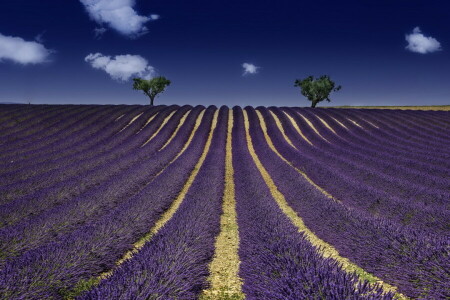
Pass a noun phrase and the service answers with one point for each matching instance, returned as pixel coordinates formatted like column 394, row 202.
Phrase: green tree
column 317, row 90
column 151, row 87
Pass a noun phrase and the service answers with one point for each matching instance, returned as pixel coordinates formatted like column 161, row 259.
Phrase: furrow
column 224, row 268
column 183, row 119
column 173, row 208
column 64, row 217
column 272, row 147
column 413, row 261
column 69, row 143
column 327, row 250
column 355, row 123
column 148, row 121
column 197, row 124
column 280, row 127
column 351, row 177
column 404, row 133
column 131, row 122
column 159, row 129
column 46, row 128
column 166, row 216
column 326, row 124
column 370, row 146
column 175, row 262
column 312, row 127
column 295, row 125
column 53, row 269
column 119, row 117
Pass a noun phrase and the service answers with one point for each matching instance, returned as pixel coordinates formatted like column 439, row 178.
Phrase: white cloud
column 119, row 15
column 419, row 43
column 249, row 68
column 155, row 17
column 23, row 52
column 121, row 67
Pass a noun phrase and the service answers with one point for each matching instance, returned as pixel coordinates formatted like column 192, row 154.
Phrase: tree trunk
column 151, row 101
column 314, row 103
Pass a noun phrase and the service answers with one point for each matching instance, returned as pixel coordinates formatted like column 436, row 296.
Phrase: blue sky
column 382, row 52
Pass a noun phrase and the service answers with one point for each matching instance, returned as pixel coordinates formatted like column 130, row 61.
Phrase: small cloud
column 121, row 67
column 99, row 31
column 155, row 17
column 118, row 15
column 249, row 69
column 419, row 43
column 23, row 52
column 40, row 37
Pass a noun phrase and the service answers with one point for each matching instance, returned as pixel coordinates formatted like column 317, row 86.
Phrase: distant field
column 170, row 202
column 431, row 107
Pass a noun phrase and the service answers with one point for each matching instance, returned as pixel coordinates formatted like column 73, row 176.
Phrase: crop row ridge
column 224, row 268
column 325, row 249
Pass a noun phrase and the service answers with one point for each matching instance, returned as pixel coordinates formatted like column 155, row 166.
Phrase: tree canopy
column 317, row 90
column 151, row 87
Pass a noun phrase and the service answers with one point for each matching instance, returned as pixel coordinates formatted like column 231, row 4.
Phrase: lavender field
column 182, row 202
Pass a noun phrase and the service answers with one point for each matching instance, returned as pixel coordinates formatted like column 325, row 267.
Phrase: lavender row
column 349, row 140
column 91, row 166
column 11, row 117
column 367, row 143
column 65, row 189
column 44, row 126
column 44, row 129
column 47, row 271
column 75, row 147
column 416, row 263
column 388, row 136
column 357, row 188
column 404, row 135
column 42, row 153
column 174, row 264
column 277, row 262
column 402, row 179
column 425, row 121
column 404, row 182
column 51, row 137
column 20, row 122
column 384, row 134
column 400, row 124
column 61, row 219
column 9, row 110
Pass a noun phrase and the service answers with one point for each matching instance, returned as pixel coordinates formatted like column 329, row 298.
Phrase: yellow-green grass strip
column 339, row 122
column 148, row 121
column 197, row 124
column 131, row 122
column 85, row 285
column 183, row 119
column 326, row 124
column 224, row 268
column 168, row 214
column 325, row 249
column 312, row 127
column 371, row 123
column 186, row 145
column 295, row 125
column 119, row 117
column 330, row 128
column 355, row 123
column 159, row 129
column 281, row 128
